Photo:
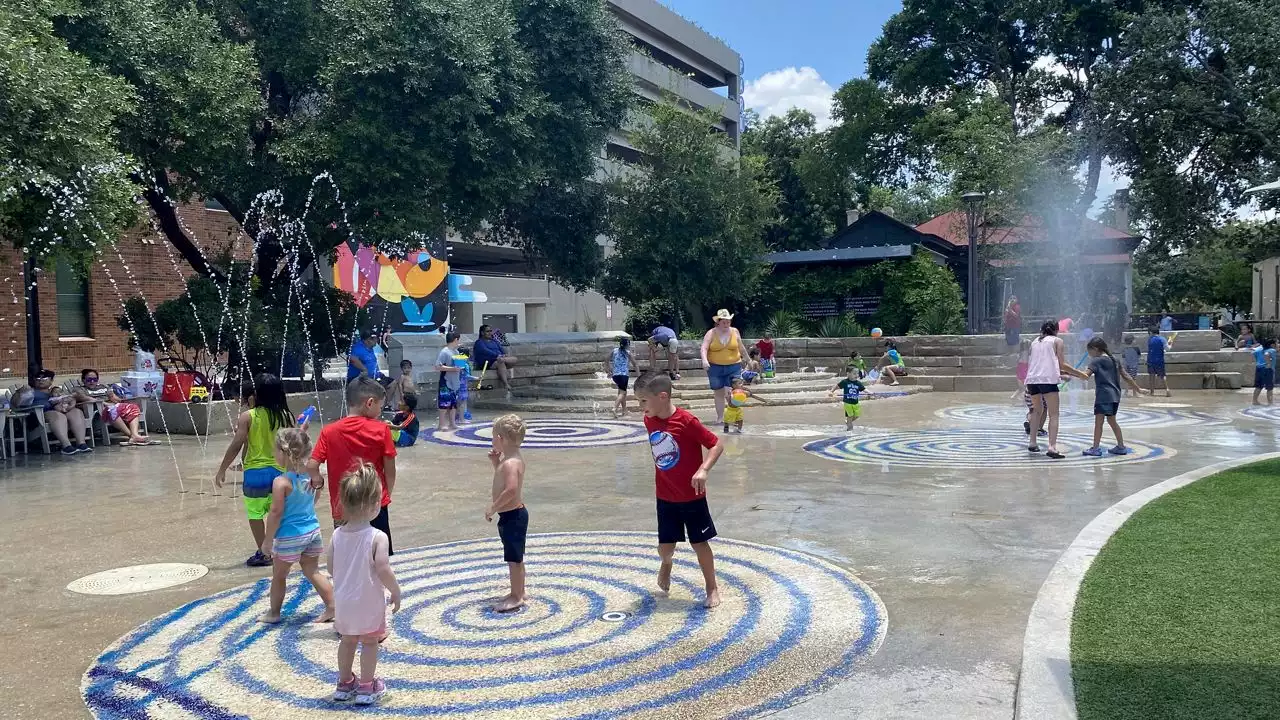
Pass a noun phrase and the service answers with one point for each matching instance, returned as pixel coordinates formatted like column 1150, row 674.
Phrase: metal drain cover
column 615, row 616
column 137, row 578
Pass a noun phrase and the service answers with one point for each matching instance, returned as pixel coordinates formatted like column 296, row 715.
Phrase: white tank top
column 1043, row 367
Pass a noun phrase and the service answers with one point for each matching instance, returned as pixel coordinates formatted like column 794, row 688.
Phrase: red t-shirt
column 766, row 349
column 346, row 443
column 677, row 445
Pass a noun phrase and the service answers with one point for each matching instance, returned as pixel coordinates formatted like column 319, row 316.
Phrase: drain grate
column 615, row 616
column 137, row 579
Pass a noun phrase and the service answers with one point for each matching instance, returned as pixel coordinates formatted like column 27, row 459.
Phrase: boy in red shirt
column 677, row 440
column 361, row 436
column 765, row 346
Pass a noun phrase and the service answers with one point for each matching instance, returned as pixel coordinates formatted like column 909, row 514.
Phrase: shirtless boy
column 508, row 505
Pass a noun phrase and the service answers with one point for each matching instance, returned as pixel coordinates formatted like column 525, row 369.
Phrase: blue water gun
column 305, row 416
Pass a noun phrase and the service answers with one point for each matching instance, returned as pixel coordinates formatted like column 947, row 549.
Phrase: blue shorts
column 258, row 482
column 1106, row 409
column 722, row 376
column 1155, row 368
column 406, row 439
column 1265, row 378
column 446, row 398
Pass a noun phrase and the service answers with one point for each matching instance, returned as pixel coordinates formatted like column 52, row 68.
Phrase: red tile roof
column 953, row 227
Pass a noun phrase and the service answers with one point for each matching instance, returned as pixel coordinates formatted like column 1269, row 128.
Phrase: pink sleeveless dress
column 360, row 607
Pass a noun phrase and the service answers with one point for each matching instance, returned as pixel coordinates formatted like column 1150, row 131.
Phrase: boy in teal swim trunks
column 853, row 389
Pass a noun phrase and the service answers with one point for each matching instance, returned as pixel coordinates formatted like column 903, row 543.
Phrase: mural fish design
column 412, row 293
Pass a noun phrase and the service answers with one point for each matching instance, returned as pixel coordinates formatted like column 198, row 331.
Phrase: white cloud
column 776, row 92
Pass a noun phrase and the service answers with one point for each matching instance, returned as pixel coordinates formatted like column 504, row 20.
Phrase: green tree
column 689, row 225
column 62, row 175
column 427, row 113
column 811, row 189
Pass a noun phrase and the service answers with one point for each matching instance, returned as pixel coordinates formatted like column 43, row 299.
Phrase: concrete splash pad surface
column 955, row 554
column 592, row 643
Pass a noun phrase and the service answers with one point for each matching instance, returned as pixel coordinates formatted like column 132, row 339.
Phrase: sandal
column 1054, row 454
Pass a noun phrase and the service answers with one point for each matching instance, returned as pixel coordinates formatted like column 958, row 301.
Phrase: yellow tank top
column 719, row 353
column 259, row 447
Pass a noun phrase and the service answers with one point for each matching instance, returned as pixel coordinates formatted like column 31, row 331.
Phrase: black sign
column 862, row 305
column 821, row 308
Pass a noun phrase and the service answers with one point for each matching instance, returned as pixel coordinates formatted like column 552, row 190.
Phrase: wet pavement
column 954, row 534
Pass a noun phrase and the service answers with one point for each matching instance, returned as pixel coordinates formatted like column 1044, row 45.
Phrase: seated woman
column 66, row 421
column 891, row 366
column 489, row 350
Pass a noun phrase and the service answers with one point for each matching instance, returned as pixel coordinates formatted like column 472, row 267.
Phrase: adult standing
column 722, row 355
column 489, row 349
column 1012, row 321
column 363, row 361
column 1166, row 322
column 1044, row 371
column 665, row 337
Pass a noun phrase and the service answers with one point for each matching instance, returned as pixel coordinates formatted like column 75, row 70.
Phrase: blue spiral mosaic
column 971, row 449
column 1007, row 416
column 549, row 434
column 1262, row 412
column 593, row 643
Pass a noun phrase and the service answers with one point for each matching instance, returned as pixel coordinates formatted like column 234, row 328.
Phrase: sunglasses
column 91, row 379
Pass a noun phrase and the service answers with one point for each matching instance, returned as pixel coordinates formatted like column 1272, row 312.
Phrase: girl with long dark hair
column 1107, row 374
column 1045, row 368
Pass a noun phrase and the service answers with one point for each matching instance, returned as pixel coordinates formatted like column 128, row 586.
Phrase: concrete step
column 1008, row 383
column 696, row 392
column 688, row 381
column 553, row 405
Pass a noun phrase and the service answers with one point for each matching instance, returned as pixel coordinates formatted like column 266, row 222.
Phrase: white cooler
column 145, row 383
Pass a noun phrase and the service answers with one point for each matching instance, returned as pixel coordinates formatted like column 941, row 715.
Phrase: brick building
column 78, row 318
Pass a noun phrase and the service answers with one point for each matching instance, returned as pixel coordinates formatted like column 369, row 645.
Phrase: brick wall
column 146, row 255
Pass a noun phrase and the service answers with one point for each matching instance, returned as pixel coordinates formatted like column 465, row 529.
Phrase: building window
column 73, row 302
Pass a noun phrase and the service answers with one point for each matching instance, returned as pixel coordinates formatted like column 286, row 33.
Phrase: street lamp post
column 973, row 214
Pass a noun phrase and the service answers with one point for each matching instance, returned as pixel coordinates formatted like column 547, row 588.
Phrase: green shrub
column 784, row 324
column 941, row 319
column 840, row 326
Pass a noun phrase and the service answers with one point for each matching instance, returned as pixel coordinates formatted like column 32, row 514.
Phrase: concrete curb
column 1045, row 689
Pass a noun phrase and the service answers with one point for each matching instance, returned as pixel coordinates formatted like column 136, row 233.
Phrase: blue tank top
column 621, row 366
column 299, row 508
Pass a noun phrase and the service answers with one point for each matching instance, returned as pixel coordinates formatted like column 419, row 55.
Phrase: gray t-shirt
column 451, row 379
column 1106, row 376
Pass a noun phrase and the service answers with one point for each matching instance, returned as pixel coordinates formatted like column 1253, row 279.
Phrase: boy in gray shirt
column 450, row 377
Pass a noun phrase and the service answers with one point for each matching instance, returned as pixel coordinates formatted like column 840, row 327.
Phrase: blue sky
column 796, row 51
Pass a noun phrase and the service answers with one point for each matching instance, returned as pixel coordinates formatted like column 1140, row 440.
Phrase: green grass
column 1179, row 616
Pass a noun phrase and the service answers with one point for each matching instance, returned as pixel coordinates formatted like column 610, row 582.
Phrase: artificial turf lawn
column 1179, row 615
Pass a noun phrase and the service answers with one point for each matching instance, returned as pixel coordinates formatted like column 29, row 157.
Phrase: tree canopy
column 688, row 226
column 427, row 113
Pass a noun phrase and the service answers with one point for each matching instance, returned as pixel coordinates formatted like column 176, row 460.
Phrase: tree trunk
column 166, row 215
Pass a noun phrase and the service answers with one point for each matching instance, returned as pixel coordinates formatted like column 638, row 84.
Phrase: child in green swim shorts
column 254, row 439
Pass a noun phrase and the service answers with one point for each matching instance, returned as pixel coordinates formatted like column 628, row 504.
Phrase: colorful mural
column 409, row 294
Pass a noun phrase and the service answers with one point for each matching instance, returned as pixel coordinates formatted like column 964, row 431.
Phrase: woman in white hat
column 722, row 354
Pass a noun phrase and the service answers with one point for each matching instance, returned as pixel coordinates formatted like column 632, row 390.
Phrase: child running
column 293, row 532
column 358, row 557
column 1156, row 346
column 619, row 365
column 677, row 440
column 255, row 437
column 508, row 505
column 404, row 424
column 734, row 404
column 853, row 388
column 1264, row 373
column 1107, row 375
column 359, row 438
column 1132, row 356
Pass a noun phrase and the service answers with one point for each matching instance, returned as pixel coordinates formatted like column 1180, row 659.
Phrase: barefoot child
column 1106, row 400
column 450, row 377
column 1264, row 373
column 853, row 388
column 734, row 404
column 404, row 424
column 1020, row 370
column 619, row 365
column 765, row 346
column 1132, row 356
column 292, row 530
column 255, row 436
column 508, row 505
column 1156, row 346
column 751, row 371
column 358, row 557
column 677, row 440
column 360, row 437
column 123, row 415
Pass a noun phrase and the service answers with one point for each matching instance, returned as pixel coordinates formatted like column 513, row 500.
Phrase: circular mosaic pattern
column 1150, row 415
column 137, row 578
column 969, row 449
column 549, row 434
column 789, row 626
column 1262, row 412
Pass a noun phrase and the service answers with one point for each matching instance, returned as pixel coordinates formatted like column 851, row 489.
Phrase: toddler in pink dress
column 361, row 568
